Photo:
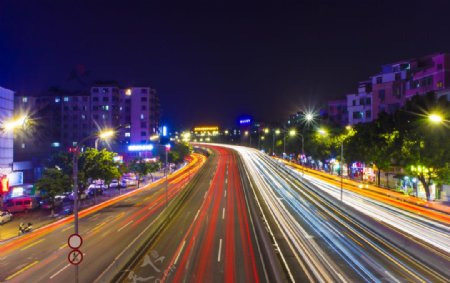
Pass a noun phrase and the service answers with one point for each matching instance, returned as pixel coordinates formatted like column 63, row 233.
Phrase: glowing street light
column 104, row 134
column 436, row 118
column 15, row 123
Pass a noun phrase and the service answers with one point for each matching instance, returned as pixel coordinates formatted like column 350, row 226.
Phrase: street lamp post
column 342, row 167
column 101, row 135
column 277, row 132
column 166, row 172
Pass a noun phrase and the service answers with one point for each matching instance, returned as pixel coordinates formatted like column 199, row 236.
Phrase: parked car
column 114, row 184
column 81, row 196
column 5, row 216
column 94, row 190
column 24, row 203
column 97, row 186
column 47, row 204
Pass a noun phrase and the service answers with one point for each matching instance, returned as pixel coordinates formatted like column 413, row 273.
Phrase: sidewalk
column 434, row 205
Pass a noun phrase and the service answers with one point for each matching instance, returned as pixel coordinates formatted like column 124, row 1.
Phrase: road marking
column 196, row 215
column 223, row 213
column 22, row 270
column 98, row 226
column 67, row 228
column 119, row 216
column 226, row 181
column 220, row 250
column 225, row 194
column 59, row 271
column 63, row 246
column 32, row 244
column 205, row 195
column 121, row 228
column 152, row 206
column 179, row 253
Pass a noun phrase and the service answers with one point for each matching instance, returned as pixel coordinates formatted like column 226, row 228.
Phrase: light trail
column 319, row 230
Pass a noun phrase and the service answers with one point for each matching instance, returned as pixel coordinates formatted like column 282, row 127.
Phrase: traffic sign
column 75, row 241
column 75, row 257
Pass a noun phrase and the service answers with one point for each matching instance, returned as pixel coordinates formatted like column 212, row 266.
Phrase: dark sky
column 211, row 61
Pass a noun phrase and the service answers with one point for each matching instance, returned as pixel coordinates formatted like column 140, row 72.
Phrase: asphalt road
column 108, row 231
column 322, row 239
column 215, row 237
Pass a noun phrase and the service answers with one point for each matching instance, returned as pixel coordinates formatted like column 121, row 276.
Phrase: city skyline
column 267, row 60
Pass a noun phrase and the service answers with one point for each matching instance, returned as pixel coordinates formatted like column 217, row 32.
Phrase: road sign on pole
column 75, row 257
column 75, row 241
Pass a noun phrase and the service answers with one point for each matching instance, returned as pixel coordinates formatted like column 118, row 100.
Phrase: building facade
column 6, row 138
column 431, row 74
column 337, row 112
column 359, row 106
column 63, row 119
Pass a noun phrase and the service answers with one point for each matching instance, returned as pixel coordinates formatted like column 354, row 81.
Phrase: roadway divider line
column 62, row 246
column 59, row 271
column 121, row 228
column 179, row 253
column 32, row 244
column 223, row 213
column 196, row 215
column 67, row 228
column 220, row 250
column 22, row 270
column 225, row 193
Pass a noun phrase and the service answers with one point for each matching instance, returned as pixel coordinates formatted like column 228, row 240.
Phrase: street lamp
column 105, row 134
column 341, row 165
column 12, row 124
column 291, row 134
column 276, row 132
column 435, row 118
column 75, row 181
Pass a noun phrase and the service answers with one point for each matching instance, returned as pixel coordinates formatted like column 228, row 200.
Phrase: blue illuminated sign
column 140, row 147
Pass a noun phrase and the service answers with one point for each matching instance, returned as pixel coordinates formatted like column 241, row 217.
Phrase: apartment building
column 360, row 106
column 431, row 73
column 337, row 112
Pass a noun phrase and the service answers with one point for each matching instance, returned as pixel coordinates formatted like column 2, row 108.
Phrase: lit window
column 127, row 135
column 23, row 145
column 128, row 92
column 56, row 144
column 83, row 116
column 24, row 99
column 120, row 108
column 57, row 99
column 142, row 116
column 66, row 98
column 106, row 107
column 103, row 116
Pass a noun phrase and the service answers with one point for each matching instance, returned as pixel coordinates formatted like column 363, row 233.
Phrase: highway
column 216, row 236
column 110, row 232
column 360, row 240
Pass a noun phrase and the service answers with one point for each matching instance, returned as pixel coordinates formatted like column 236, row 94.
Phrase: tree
column 53, row 182
column 95, row 164
column 374, row 143
column 142, row 168
column 425, row 150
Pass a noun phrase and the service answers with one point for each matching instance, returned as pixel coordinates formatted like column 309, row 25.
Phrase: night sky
column 211, row 61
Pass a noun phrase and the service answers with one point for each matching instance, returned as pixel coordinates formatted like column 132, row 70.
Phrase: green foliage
column 62, row 160
column 95, row 164
column 142, row 168
column 54, row 182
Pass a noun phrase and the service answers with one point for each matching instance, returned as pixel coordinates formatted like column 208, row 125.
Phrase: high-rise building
column 63, row 119
column 6, row 138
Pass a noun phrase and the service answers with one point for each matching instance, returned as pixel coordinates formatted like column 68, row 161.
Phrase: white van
column 19, row 204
